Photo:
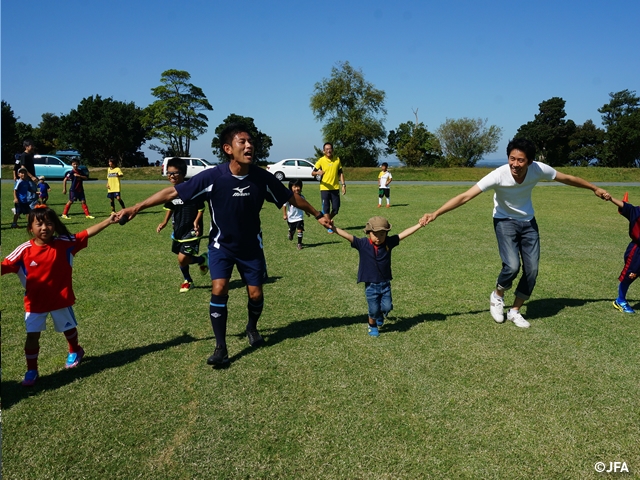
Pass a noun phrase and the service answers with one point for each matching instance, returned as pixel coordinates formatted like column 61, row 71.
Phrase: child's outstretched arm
column 97, row 228
column 409, row 231
column 343, row 233
column 167, row 216
column 615, row 201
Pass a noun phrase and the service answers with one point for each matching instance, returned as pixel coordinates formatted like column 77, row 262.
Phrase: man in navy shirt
column 235, row 192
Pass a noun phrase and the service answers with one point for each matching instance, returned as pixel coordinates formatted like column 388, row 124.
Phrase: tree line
column 352, row 111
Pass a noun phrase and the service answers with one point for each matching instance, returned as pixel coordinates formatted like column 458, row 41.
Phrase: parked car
column 54, row 168
column 293, row 168
column 194, row 165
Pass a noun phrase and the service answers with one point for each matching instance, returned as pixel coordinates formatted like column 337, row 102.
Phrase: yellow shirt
column 113, row 179
column 331, row 168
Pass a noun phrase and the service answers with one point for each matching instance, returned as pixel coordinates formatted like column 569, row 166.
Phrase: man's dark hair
column 327, row 143
column 28, row 143
column 227, row 134
column 178, row 163
column 295, row 183
column 524, row 145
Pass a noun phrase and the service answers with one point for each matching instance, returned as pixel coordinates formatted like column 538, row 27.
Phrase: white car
column 194, row 165
column 293, row 168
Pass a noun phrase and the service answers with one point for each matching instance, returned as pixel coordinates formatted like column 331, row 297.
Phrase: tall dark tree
column 466, row 141
column 176, row 117
column 414, row 145
column 49, row 134
column 586, row 144
column 550, row 132
column 353, row 112
column 11, row 144
column 621, row 119
column 100, row 128
column 262, row 141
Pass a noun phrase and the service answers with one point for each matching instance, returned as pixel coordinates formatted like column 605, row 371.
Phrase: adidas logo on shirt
column 33, row 263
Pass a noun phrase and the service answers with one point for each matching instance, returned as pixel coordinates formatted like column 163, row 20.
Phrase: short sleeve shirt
column 512, row 199
column 383, row 177
column 375, row 262
column 235, row 203
column 113, row 179
column 331, row 169
column 46, row 271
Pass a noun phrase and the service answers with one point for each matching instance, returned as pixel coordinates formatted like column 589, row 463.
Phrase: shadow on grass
column 303, row 328
column 14, row 392
column 549, row 307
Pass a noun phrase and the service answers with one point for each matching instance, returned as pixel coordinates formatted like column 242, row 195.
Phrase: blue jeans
column 518, row 239
column 379, row 299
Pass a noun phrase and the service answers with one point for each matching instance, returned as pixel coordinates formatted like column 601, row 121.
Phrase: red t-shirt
column 45, row 271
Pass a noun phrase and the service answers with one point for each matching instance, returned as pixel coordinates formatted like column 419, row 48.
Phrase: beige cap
column 377, row 224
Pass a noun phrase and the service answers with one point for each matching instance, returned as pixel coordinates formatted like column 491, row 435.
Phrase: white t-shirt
column 382, row 179
column 512, row 199
column 294, row 214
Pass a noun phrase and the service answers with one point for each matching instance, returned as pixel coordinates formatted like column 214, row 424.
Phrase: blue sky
column 496, row 60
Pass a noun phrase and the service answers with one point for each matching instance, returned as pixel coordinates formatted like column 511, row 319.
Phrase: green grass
column 593, row 174
column 444, row 392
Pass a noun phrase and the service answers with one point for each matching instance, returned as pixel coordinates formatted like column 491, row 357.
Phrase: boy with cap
column 374, row 268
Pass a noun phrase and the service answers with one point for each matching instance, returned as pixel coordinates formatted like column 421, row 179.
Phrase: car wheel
column 279, row 176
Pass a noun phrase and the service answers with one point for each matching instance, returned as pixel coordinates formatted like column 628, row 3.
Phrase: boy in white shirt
column 384, row 179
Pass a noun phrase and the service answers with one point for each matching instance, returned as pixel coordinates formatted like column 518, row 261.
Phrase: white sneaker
column 496, row 307
column 517, row 319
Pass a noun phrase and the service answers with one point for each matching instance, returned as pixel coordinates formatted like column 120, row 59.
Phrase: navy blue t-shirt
column 235, row 203
column 375, row 263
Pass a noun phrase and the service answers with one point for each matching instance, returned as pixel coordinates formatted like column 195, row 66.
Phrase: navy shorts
column 631, row 262
column 22, row 208
column 113, row 194
column 252, row 270
column 77, row 196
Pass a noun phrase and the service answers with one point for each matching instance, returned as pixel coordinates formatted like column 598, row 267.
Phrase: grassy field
column 444, row 392
column 399, row 174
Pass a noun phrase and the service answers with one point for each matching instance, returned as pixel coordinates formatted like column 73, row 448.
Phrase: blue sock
column 218, row 316
column 623, row 288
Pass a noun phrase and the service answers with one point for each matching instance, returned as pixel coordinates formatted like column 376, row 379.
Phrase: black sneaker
column 220, row 356
column 255, row 338
column 290, row 236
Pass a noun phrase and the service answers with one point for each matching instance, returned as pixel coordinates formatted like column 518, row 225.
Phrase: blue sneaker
column 373, row 331
column 329, row 230
column 623, row 307
column 30, row 378
column 74, row 359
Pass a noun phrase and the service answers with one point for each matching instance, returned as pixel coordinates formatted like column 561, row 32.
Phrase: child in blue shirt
column 374, row 268
column 24, row 196
column 43, row 190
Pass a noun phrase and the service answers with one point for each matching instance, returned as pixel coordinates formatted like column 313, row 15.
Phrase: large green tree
column 466, row 141
column 261, row 141
column 352, row 110
column 414, row 145
column 550, row 132
column 176, row 117
column 49, row 134
column 11, row 144
column 586, row 144
column 102, row 127
column 621, row 119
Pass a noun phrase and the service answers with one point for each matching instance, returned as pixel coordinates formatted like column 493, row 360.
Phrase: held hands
column 603, row 194
column 427, row 218
column 325, row 221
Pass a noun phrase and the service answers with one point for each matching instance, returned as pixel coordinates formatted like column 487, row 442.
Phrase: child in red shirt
column 43, row 265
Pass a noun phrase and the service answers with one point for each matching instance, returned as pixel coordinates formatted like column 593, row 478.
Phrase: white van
column 194, row 165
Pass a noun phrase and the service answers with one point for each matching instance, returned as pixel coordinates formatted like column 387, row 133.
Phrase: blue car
column 54, row 168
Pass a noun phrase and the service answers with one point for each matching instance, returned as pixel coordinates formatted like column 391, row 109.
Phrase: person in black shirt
column 187, row 226
column 26, row 160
